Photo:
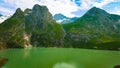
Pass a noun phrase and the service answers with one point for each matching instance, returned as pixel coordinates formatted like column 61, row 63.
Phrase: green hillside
column 93, row 30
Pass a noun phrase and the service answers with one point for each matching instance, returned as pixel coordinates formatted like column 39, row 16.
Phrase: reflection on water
column 3, row 61
column 117, row 66
column 64, row 65
column 60, row 58
column 26, row 52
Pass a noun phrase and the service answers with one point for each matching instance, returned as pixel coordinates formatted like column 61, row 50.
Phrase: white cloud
column 6, row 11
column 87, row 4
column 65, row 7
column 23, row 4
column 116, row 10
column 102, row 3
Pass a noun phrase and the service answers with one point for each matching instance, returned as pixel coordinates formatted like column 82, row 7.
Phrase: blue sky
column 70, row 8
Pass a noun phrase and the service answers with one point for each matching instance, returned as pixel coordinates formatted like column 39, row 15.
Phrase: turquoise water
column 60, row 58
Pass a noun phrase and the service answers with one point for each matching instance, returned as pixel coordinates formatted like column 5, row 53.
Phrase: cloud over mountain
column 69, row 8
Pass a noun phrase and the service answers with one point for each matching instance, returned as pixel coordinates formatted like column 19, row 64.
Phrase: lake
column 60, row 58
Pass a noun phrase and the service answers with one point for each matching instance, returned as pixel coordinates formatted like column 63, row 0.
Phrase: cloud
column 23, row 4
column 87, row 4
column 115, row 10
column 66, row 7
column 102, row 3
column 6, row 11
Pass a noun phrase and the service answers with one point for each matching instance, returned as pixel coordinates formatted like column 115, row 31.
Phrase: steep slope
column 3, row 18
column 11, row 31
column 45, row 31
column 94, row 29
column 33, row 27
column 60, row 18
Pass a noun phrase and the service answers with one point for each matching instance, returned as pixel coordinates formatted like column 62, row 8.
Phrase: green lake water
column 60, row 58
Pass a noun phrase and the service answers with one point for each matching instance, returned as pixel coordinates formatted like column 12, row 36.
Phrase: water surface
column 60, row 58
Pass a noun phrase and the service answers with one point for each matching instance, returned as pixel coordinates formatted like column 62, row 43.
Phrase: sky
column 69, row 8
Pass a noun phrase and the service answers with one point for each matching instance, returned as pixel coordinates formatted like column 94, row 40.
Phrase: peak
column 96, row 10
column 27, row 10
column 19, row 10
column 18, row 13
column 38, row 7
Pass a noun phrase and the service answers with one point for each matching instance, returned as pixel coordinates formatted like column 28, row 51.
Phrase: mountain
column 36, row 27
column 45, row 31
column 31, row 28
column 60, row 18
column 3, row 18
column 0, row 15
column 95, row 29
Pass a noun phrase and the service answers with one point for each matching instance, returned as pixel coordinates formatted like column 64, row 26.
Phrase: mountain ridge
column 36, row 27
column 30, row 28
column 96, row 27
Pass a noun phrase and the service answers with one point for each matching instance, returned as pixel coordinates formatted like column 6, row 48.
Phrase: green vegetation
column 32, row 27
column 35, row 27
column 96, row 29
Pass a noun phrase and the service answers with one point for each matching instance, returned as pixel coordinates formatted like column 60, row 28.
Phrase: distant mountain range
column 60, row 18
column 36, row 27
column 0, row 15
